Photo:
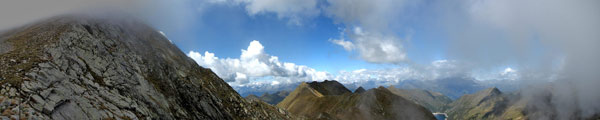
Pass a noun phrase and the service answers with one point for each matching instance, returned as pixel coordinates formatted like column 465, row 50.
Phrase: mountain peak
column 492, row 91
column 360, row 89
column 329, row 87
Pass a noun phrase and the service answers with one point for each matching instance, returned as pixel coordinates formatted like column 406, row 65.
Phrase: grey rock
column 12, row 92
column 94, row 68
column 39, row 102
column 46, row 93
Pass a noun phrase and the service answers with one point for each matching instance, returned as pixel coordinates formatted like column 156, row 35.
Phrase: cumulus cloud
column 372, row 22
column 256, row 68
column 255, row 65
column 378, row 48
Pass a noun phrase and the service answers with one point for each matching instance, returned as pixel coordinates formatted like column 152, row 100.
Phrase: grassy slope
column 435, row 102
column 376, row 103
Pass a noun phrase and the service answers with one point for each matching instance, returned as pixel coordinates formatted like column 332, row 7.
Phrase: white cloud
column 373, row 47
column 348, row 46
column 436, row 70
column 256, row 68
column 508, row 71
column 241, row 77
column 273, row 83
column 254, row 64
column 378, row 48
column 296, row 11
column 372, row 22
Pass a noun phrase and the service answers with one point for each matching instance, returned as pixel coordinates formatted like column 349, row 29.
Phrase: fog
column 162, row 14
column 552, row 41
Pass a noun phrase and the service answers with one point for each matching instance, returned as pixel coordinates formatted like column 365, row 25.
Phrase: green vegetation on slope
column 434, row 101
column 486, row 104
column 272, row 99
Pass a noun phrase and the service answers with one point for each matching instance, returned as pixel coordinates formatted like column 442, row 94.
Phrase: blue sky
column 225, row 30
column 251, row 42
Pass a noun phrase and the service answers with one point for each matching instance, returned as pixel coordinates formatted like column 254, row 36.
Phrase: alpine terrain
column 82, row 67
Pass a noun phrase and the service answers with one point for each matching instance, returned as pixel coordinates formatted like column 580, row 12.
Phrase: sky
column 249, row 42
column 322, row 39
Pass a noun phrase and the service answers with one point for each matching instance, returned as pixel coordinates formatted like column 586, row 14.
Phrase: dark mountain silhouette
column 359, row 90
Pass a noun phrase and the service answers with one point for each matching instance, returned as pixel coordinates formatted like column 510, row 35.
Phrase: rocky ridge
column 82, row 67
column 377, row 103
column 359, row 90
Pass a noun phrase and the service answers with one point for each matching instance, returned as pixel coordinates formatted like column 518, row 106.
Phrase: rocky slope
column 434, row 101
column 486, row 104
column 80, row 67
column 378, row 103
column 453, row 87
column 272, row 99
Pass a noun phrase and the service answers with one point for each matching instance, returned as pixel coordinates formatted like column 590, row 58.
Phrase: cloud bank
column 165, row 15
column 254, row 65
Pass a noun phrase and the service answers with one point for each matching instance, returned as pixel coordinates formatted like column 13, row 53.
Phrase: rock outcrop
column 80, row 67
column 486, row 104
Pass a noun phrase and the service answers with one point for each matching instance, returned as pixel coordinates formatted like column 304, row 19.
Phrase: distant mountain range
column 330, row 99
column 272, row 99
column 434, row 101
column 453, row 87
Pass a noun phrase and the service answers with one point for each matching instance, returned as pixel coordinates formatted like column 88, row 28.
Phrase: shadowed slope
column 377, row 103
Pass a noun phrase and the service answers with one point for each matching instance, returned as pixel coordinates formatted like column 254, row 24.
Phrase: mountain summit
column 329, row 87
column 359, row 90
column 80, row 67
